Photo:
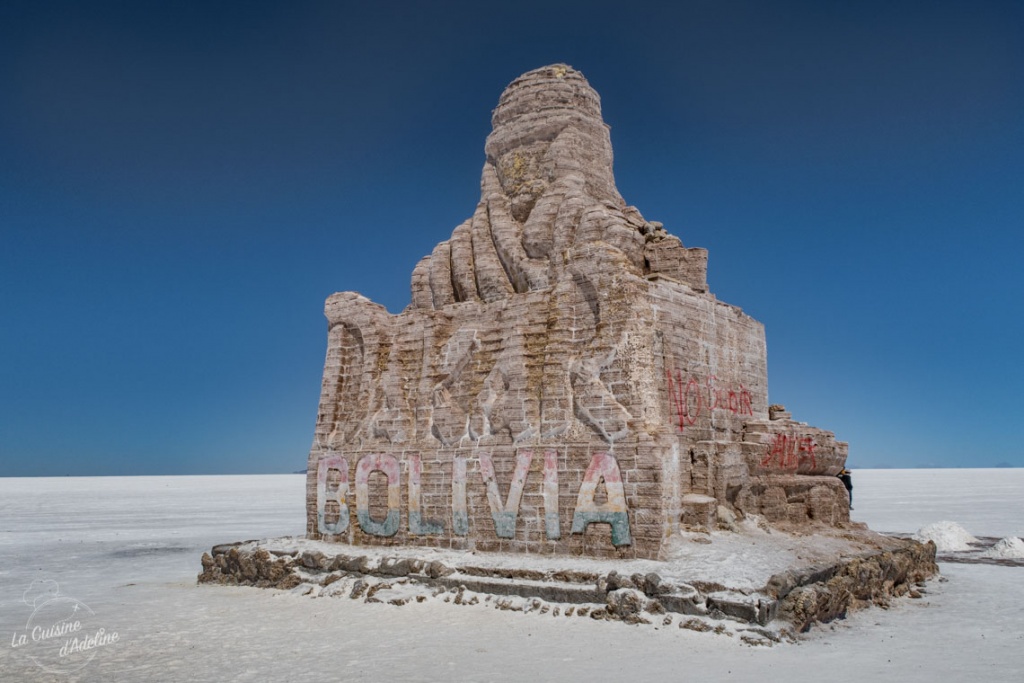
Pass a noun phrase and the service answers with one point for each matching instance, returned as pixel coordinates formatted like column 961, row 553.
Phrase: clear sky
column 183, row 184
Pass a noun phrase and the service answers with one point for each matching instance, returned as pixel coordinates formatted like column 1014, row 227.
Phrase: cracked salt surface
column 115, row 544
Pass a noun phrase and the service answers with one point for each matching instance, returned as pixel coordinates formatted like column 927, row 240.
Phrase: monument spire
column 546, row 188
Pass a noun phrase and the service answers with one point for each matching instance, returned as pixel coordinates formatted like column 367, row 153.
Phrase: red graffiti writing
column 692, row 397
column 788, row 452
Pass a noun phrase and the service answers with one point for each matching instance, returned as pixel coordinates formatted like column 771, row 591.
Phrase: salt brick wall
column 640, row 483
column 381, row 395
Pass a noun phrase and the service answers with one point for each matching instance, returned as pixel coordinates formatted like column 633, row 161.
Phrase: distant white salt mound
column 948, row 536
column 1009, row 548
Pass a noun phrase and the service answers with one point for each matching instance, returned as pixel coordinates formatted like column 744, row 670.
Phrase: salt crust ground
column 129, row 548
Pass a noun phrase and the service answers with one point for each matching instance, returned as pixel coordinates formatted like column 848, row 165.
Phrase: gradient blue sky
column 183, row 184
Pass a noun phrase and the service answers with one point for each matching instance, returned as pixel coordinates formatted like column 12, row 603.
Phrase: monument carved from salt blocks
column 563, row 381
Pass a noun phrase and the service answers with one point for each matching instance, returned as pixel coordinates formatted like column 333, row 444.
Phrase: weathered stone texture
column 562, row 379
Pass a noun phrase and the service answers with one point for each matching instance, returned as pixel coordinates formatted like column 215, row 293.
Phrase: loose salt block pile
column 947, row 536
column 1008, row 548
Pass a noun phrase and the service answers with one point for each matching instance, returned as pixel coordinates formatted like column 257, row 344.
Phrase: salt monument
column 565, row 385
column 563, row 381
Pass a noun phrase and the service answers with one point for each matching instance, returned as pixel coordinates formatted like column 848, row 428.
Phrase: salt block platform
column 757, row 575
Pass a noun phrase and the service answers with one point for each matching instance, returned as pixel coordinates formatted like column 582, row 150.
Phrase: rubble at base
column 788, row 602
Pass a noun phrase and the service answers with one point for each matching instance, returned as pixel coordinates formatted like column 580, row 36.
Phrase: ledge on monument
column 342, row 305
column 753, row 575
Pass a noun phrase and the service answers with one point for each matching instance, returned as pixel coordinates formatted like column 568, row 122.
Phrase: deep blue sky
column 182, row 184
